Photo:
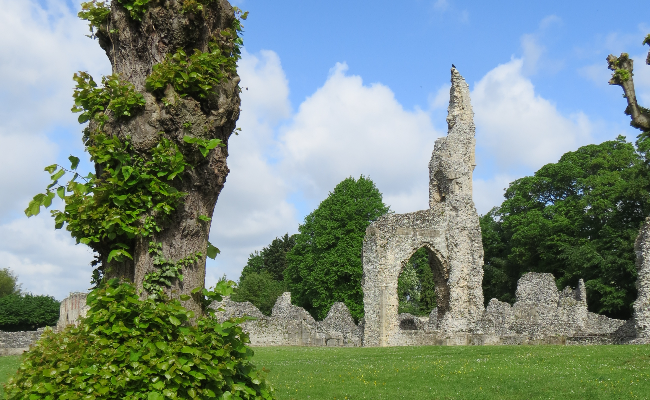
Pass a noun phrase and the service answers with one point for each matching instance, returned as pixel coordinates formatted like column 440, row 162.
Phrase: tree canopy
column 8, row 283
column 325, row 265
column 577, row 218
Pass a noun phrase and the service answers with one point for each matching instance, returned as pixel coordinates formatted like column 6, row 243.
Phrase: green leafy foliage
column 622, row 75
column 646, row 40
column 127, row 348
column 166, row 271
column 194, row 75
column 577, row 218
column 8, row 283
column 204, row 145
column 96, row 13
column 272, row 258
column 136, row 8
column 27, row 312
column 116, row 95
column 261, row 289
column 415, row 285
column 325, row 266
column 131, row 195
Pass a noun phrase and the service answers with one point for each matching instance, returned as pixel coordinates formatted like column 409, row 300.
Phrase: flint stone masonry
column 540, row 315
column 642, row 303
column 15, row 343
column 449, row 230
column 290, row 325
column 73, row 308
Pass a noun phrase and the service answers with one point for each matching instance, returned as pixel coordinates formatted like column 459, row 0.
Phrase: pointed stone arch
column 449, row 229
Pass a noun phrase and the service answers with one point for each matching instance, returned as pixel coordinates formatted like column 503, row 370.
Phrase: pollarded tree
column 325, row 265
column 623, row 76
column 157, row 133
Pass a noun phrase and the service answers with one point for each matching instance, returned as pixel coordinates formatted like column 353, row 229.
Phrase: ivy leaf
column 205, row 218
column 175, row 321
column 47, row 200
column 117, row 254
column 212, row 251
column 59, row 174
column 51, row 168
column 126, row 172
column 119, row 200
column 74, row 162
column 61, row 192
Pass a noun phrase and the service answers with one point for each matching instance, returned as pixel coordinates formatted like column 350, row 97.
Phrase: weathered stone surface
column 73, row 308
column 449, row 230
column 15, row 343
column 642, row 303
column 290, row 325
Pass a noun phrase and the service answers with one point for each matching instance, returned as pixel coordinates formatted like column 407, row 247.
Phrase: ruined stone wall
column 290, row 325
column 15, row 343
column 540, row 315
column 73, row 308
column 449, row 230
column 642, row 303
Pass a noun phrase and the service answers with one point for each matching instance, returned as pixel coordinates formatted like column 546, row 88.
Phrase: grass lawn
column 460, row 372
column 8, row 367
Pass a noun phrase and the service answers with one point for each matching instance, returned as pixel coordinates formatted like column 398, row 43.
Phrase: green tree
column 8, row 283
column 325, row 266
column 577, row 218
column 260, row 289
column 28, row 312
column 272, row 258
column 415, row 285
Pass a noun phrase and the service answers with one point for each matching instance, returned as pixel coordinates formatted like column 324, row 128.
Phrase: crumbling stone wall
column 449, row 230
column 73, row 308
column 540, row 315
column 15, row 343
column 642, row 303
column 291, row 325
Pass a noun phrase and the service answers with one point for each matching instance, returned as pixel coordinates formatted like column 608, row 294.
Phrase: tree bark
column 133, row 48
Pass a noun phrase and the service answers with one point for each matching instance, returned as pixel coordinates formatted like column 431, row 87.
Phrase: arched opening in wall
column 422, row 286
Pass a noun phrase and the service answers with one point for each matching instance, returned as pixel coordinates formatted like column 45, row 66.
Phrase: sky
column 331, row 90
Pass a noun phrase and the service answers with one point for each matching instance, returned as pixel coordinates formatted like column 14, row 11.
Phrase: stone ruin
column 291, row 325
column 450, row 232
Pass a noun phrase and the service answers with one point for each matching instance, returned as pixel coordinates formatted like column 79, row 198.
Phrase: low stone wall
column 14, row 343
column 290, row 325
column 540, row 315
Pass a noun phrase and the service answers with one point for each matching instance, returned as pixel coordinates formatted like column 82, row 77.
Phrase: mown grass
column 462, row 372
column 8, row 367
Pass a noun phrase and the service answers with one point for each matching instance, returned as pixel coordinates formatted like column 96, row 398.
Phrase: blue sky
column 335, row 89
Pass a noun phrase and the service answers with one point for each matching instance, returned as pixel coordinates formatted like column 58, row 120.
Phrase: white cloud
column 253, row 208
column 23, row 165
column 488, row 193
column 42, row 46
column 518, row 127
column 346, row 129
column 46, row 260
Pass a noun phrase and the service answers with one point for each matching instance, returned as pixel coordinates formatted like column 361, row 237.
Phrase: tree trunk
column 133, row 48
